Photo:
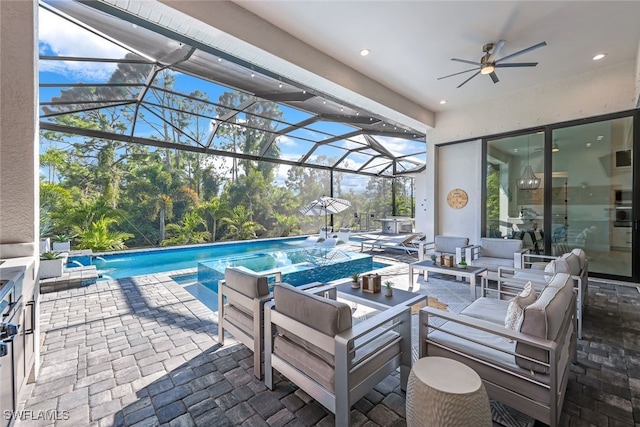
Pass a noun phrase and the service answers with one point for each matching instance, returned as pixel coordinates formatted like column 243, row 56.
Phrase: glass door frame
column 548, row 182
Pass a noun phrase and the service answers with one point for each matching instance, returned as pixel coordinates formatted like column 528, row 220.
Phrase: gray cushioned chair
column 241, row 299
column 448, row 245
column 312, row 341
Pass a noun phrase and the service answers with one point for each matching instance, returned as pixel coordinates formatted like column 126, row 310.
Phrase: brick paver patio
column 143, row 352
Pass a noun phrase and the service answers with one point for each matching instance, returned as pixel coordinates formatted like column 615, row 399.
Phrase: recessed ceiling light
column 219, row 59
column 588, row 144
column 253, row 74
column 444, row 101
column 515, row 150
column 365, row 52
column 600, row 138
column 599, row 56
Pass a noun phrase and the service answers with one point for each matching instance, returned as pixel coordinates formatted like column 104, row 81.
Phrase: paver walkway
column 142, row 352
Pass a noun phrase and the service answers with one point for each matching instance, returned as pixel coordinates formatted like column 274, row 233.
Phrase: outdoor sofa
column 526, row 368
column 493, row 253
column 539, row 269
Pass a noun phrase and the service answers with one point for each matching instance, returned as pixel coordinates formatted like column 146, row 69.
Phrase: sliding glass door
column 569, row 186
column 515, row 189
column 592, row 188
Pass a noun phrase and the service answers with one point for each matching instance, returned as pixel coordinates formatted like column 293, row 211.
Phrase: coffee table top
column 431, row 266
column 379, row 300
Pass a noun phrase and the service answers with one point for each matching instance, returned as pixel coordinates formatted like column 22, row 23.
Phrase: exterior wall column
column 19, row 164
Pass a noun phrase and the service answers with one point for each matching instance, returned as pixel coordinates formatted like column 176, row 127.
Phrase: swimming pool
column 151, row 261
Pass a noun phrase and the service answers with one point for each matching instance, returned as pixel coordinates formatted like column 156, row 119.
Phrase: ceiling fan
column 488, row 63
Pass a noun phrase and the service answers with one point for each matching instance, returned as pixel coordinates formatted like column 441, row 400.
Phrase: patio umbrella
column 325, row 206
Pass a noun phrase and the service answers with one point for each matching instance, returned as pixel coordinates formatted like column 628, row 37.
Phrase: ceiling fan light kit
column 488, row 63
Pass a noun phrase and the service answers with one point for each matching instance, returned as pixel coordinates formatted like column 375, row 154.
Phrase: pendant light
column 528, row 180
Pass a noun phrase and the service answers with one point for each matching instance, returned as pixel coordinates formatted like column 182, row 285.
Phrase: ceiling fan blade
column 494, row 77
column 496, row 49
column 455, row 74
column 529, row 49
column 517, row 64
column 468, row 79
column 465, row 61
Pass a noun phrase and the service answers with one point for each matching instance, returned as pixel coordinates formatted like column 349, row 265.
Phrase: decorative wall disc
column 457, row 198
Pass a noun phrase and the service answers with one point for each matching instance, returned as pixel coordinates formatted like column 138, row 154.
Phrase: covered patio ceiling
column 170, row 91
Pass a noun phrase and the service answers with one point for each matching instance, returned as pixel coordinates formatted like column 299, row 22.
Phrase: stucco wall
column 459, row 166
column 18, row 123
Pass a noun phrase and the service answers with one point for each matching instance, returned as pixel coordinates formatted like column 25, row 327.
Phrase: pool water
column 151, row 261
column 297, row 266
column 298, row 263
column 208, row 296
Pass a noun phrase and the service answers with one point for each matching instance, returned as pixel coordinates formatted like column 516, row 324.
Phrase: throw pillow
column 516, row 306
column 556, row 266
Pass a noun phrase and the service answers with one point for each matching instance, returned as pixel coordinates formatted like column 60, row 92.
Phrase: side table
column 443, row 392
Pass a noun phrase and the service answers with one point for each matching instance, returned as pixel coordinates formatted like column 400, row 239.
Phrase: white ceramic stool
column 443, row 392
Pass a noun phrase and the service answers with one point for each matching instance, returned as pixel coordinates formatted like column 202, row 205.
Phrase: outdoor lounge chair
column 325, row 232
column 311, row 340
column 241, row 299
column 343, row 235
column 405, row 242
column 246, row 294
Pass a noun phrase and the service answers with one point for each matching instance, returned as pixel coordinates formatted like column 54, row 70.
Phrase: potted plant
column 51, row 265
column 388, row 290
column 61, row 242
column 433, row 258
column 462, row 264
column 355, row 281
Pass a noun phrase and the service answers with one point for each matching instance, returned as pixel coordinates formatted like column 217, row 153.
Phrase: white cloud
column 60, row 37
column 285, row 141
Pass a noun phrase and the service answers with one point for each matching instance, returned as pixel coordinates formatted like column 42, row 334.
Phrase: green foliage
column 388, row 284
column 99, row 238
column 239, row 225
column 187, row 231
column 50, row 255
column 355, row 277
column 108, row 192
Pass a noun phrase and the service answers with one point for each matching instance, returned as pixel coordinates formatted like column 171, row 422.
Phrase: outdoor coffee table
column 378, row 300
column 468, row 273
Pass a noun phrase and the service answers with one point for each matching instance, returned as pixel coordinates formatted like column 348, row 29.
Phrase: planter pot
column 461, row 265
column 50, row 268
column 388, row 292
column 61, row 246
column 355, row 285
column 45, row 244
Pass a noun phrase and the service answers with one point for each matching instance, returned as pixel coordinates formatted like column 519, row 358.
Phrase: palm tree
column 98, row 237
column 215, row 210
column 289, row 225
column 186, row 232
column 239, row 224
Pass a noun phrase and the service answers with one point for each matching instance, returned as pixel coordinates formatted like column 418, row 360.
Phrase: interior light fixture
column 599, row 56
column 555, row 147
column 528, row 180
column 444, row 101
column 253, row 74
column 365, row 52
column 588, row 144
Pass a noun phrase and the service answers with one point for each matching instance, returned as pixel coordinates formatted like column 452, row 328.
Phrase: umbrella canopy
column 324, row 206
